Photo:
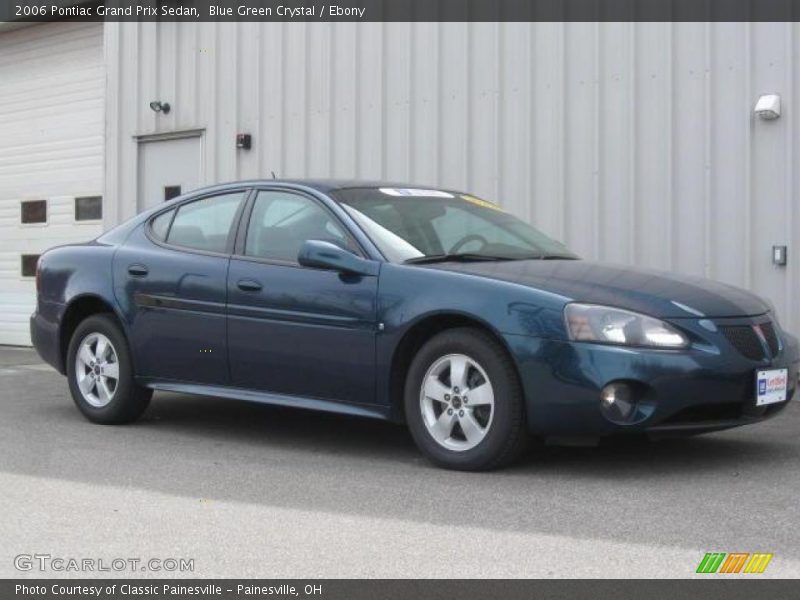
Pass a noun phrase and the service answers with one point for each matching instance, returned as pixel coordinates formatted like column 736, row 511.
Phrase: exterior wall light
column 768, row 107
column 160, row 107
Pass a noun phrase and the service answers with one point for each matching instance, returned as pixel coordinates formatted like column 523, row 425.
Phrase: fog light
column 618, row 402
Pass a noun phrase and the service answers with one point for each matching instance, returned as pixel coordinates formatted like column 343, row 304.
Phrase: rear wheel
column 100, row 373
column 463, row 402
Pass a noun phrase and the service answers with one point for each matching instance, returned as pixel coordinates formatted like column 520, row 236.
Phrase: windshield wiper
column 458, row 257
column 552, row 257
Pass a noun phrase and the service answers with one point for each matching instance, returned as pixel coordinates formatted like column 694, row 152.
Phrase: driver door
column 296, row 330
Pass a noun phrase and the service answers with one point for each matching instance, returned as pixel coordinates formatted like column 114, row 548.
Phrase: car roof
column 321, row 185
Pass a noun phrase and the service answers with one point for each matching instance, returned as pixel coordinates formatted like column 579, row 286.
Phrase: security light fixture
column 768, row 107
column 779, row 256
column 244, row 141
column 160, row 107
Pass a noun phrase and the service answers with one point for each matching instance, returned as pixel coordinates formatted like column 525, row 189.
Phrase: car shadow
column 257, row 425
column 213, row 422
column 237, row 451
column 312, row 431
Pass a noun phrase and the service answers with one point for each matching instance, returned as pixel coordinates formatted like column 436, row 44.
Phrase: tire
column 497, row 429
column 104, row 399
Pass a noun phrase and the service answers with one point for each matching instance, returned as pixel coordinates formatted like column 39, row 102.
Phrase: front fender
column 408, row 295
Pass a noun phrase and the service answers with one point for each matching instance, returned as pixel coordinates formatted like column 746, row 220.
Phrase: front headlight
column 607, row 325
column 773, row 312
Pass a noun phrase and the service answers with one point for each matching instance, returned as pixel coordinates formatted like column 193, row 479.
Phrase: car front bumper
column 704, row 388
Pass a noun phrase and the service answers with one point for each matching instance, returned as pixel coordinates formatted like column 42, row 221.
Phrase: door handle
column 137, row 270
column 248, row 285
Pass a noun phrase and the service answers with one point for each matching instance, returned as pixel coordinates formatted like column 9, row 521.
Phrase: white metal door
column 168, row 167
column 52, row 89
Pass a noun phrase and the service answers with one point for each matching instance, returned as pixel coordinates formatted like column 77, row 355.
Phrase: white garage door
column 51, row 149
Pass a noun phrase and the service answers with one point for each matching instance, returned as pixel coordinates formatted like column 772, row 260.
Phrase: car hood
column 657, row 293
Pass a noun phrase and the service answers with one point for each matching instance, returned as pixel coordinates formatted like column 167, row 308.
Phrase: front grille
column 745, row 340
column 768, row 329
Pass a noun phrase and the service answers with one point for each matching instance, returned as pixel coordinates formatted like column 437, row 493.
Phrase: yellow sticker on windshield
column 479, row 202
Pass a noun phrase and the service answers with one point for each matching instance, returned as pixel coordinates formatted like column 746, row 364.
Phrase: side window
column 89, row 208
column 171, row 191
column 282, row 221
column 160, row 225
column 205, row 224
column 28, row 264
column 34, row 211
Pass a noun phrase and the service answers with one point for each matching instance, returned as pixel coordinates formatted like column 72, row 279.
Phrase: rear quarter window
column 160, row 225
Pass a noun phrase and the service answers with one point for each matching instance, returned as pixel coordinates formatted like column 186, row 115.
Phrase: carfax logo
column 734, row 562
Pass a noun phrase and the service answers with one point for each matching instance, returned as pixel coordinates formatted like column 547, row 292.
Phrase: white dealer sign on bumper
column 771, row 386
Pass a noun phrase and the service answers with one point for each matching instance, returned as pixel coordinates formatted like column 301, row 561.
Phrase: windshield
column 415, row 225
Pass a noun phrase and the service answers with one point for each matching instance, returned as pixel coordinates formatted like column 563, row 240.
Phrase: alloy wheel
column 97, row 369
column 457, row 402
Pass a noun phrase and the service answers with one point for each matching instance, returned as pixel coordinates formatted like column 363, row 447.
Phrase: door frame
column 147, row 138
column 169, row 135
column 266, row 314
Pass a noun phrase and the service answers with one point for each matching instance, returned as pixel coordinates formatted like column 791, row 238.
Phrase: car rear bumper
column 46, row 340
column 689, row 392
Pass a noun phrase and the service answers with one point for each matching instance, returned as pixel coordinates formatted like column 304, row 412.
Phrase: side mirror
column 325, row 255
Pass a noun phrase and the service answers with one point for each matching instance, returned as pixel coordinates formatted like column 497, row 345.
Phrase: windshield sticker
column 479, row 202
column 416, row 193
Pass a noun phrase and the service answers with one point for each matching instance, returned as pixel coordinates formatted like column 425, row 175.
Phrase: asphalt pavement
column 246, row 490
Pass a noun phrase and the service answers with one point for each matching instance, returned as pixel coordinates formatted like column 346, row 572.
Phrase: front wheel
column 463, row 402
column 100, row 373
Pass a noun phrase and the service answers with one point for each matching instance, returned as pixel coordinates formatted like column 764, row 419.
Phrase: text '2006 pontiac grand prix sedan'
column 424, row 306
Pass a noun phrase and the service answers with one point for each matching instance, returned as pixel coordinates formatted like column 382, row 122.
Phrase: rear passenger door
column 170, row 277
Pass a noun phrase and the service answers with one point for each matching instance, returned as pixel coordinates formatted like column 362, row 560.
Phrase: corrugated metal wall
column 52, row 86
column 632, row 142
